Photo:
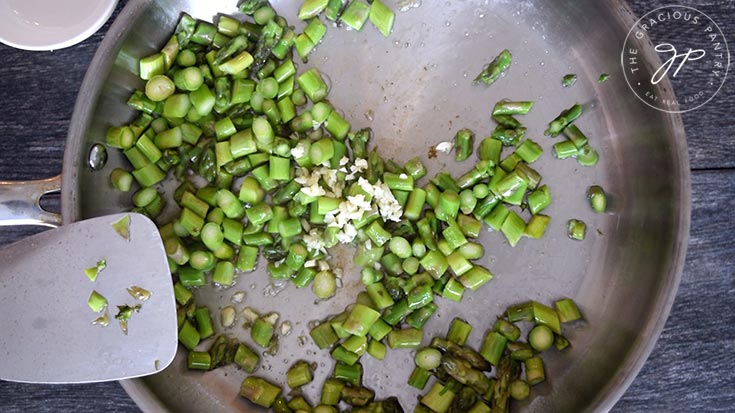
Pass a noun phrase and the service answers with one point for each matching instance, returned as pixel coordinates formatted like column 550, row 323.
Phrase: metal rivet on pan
column 97, row 157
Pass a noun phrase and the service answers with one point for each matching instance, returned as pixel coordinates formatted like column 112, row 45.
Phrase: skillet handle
column 20, row 202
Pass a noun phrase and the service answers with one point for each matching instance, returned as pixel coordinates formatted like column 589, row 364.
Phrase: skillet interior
column 418, row 85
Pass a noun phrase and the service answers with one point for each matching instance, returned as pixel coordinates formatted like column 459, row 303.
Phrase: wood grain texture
column 81, row 398
column 692, row 365
column 39, row 90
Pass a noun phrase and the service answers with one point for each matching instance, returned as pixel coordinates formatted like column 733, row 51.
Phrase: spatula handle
column 20, row 202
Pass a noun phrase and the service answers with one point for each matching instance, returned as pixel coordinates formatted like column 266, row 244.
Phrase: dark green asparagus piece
column 217, row 350
column 207, row 165
column 357, row 396
column 249, row 6
column 269, row 37
column 231, row 350
column 508, row 108
column 495, row 69
column 376, row 167
column 502, row 386
column 390, row 405
column 509, row 136
column 473, row 357
column 507, row 329
column 281, row 406
column 463, row 402
column 463, row 143
column 520, row 351
column 445, row 182
column 507, row 120
column 234, row 46
column 359, row 142
column 185, row 29
column 565, row 118
column 568, row 80
column 462, row 371
column 333, row 10
column 561, row 343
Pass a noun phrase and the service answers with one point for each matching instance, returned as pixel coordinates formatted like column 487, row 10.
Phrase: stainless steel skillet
column 417, row 84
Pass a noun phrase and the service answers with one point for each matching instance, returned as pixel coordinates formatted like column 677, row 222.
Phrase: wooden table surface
column 692, row 367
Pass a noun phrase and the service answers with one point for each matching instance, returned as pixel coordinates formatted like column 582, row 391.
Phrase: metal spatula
column 47, row 334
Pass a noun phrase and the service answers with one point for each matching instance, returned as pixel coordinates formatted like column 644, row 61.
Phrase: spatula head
column 46, row 324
